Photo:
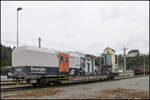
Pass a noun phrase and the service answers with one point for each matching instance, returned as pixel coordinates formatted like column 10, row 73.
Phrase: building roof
column 133, row 51
column 109, row 48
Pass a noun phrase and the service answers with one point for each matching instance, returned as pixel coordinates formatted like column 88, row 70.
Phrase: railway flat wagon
column 39, row 66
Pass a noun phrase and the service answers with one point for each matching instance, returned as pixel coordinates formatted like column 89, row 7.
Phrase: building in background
column 133, row 53
column 111, row 52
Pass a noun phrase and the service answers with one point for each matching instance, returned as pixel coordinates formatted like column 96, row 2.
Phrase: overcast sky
column 87, row 26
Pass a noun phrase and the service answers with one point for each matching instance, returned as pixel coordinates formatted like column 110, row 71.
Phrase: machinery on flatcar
column 40, row 66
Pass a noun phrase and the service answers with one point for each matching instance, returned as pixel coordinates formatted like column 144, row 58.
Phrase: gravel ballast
column 128, row 88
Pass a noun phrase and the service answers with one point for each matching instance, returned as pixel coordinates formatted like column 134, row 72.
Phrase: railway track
column 11, row 82
column 27, row 87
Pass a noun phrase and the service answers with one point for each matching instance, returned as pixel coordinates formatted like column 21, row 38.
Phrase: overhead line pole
column 124, row 54
column 39, row 42
column 144, row 65
column 117, row 61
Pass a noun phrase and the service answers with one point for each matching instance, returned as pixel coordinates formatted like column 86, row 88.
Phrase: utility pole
column 39, row 42
column 117, row 62
column 144, row 65
column 124, row 54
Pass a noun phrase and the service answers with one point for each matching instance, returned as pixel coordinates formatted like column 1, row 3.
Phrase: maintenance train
column 39, row 66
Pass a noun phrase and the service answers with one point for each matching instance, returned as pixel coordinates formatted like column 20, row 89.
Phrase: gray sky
column 87, row 26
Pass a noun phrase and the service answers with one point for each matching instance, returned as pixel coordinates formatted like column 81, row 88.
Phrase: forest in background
column 6, row 55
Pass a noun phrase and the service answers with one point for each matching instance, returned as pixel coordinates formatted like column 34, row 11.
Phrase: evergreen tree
column 5, row 55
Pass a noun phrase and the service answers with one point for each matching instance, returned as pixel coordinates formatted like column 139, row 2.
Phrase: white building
column 133, row 53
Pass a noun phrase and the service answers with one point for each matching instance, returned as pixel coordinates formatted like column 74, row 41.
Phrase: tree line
column 136, row 62
column 5, row 55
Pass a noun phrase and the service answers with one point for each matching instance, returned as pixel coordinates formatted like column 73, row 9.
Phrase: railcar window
column 61, row 58
column 66, row 59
